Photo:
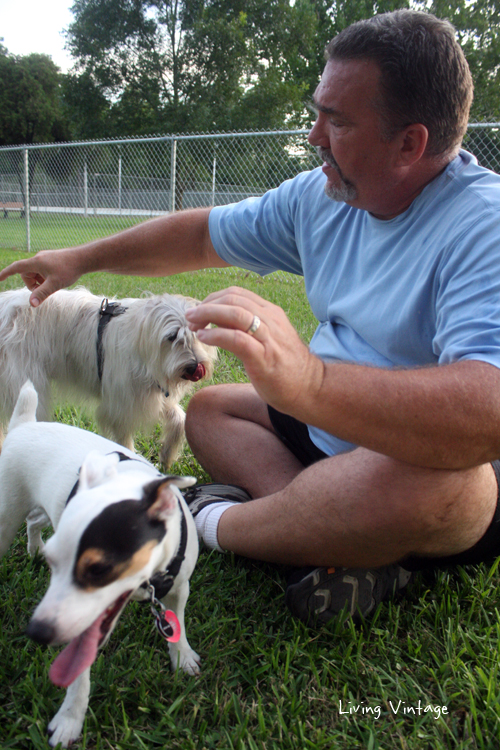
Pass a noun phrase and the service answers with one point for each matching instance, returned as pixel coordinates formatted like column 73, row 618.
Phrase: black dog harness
column 162, row 580
column 107, row 311
column 121, row 457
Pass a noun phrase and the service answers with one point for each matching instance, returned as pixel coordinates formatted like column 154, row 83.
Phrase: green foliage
column 30, row 105
column 478, row 27
column 222, row 65
column 186, row 66
column 85, row 105
column 196, row 66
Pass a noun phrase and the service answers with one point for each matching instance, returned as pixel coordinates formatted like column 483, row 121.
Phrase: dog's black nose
column 194, row 372
column 40, row 631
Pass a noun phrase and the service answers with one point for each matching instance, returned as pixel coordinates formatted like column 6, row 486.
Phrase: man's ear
column 413, row 142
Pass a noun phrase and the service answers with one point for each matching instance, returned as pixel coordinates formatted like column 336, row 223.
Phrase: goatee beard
column 344, row 193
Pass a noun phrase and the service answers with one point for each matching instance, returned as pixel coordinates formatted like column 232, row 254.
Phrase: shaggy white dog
column 137, row 357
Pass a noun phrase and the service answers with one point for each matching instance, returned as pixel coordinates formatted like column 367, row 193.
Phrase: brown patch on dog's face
column 95, row 567
column 119, row 541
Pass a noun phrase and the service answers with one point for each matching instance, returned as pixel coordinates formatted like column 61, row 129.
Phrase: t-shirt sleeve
column 259, row 234
column 468, row 296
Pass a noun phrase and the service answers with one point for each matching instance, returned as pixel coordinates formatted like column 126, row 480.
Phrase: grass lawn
column 268, row 682
column 49, row 231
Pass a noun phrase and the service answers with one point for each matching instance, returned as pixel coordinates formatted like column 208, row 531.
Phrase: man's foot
column 316, row 595
column 201, row 495
column 207, row 503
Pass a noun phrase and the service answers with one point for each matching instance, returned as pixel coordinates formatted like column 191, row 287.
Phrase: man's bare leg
column 363, row 510
column 350, row 517
column 230, row 433
column 357, row 509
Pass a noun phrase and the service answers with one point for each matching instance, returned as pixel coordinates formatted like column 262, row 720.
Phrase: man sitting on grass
column 372, row 452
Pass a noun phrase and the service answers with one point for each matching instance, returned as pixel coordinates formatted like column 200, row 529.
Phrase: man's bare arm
column 443, row 417
column 160, row 247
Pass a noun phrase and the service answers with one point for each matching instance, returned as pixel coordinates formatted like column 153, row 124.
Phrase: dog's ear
column 97, row 469
column 164, row 500
column 181, row 482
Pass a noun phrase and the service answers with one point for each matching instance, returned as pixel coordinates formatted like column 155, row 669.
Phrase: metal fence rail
column 56, row 195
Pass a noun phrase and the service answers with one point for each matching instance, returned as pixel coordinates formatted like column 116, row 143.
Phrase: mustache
column 326, row 155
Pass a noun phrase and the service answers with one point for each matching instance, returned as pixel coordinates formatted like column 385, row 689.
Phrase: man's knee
column 212, row 406
column 236, row 400
column 201, row 408
column 446, row 511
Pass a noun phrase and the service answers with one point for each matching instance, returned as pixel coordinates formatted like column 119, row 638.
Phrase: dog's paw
column 36, row 520
column 185, row 659
column 64, row 729
column 35, row 547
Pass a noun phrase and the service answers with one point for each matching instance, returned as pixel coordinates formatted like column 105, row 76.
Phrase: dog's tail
column 25, row 408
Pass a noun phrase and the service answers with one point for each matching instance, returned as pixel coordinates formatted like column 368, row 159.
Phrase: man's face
column 358, row 163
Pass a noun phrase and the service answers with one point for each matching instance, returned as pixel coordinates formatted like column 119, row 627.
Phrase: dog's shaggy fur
column 150, row 360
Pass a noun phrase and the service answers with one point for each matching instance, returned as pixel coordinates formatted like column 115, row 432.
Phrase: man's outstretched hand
column 45, row 273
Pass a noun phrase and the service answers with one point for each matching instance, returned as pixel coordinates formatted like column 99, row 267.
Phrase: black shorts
column 295, row 436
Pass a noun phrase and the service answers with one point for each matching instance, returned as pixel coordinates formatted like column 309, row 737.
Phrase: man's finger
column 236, row 295
column 12, row 269
column 222, row 315
column 247, row 348
column 40, row 293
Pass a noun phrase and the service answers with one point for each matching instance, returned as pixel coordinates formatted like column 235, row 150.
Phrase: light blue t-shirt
column 420, row 289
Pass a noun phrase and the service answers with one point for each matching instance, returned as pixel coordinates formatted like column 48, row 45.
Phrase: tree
column 85, row 106
column 30, row 102
column 478, row 31
column 30, row 109
column 196, row 65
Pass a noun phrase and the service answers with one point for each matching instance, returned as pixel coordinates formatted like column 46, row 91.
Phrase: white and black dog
column 121, row 528
column 137, row 357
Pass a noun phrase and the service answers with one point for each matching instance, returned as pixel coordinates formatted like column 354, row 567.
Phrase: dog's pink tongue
column 198, row 374
column 79, row 654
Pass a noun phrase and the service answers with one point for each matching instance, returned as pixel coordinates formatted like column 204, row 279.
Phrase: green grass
column 268, row 682
column 50, row 231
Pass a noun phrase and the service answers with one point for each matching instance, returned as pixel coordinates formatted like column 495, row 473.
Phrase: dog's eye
column 99, row 570
column 172, row 336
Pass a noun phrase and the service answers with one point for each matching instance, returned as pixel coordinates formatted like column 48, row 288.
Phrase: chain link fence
column 59, row 195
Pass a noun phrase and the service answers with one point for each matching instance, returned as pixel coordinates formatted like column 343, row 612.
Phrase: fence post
column 27, row 200
column 214, row 175
column 173, row 166
column 120, row 183
column 85, row 189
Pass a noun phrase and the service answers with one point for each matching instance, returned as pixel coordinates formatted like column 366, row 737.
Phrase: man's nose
column 317, row 135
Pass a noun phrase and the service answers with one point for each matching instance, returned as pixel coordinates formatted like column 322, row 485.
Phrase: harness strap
column 107, row 311
column 121, row 457
column 163, row 580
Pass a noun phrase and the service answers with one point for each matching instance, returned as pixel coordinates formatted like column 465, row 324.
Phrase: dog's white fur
column 39, row 465
column 148, row 351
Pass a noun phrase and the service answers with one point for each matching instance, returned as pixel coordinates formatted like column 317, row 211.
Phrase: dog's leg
column 116, row 428
column 12, row 514
column 35, row 522
column 173, row 418
column 181, row 653
column 66, row 726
